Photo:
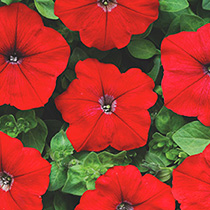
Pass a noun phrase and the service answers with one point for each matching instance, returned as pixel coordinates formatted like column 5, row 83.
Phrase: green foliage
column 26, row 121
column 82, row 174
column 61, row 152
column 60, row 146
column 8, row 125
column 153, row 164
column 46, row 8
column 156, row 68
column 144, row 35
column 8, row 2
column 206, row 4
column 161, row 145
column 77, row 172
column 192, row 137
column 36, row 137
column 167, row 121
column 190, row 22
column 57, row 176
column 142, row 48
column 77, row 55
column 173, row 5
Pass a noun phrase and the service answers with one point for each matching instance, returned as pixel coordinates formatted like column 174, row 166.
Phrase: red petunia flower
column 106, row 24
column 124, row 188
column 186, row 80
column 191, row 182
column 24, row 175
column 31, row 57
column 105, row 107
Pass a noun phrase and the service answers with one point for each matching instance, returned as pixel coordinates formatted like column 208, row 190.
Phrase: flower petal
column 131, row 129
column 191, row 185
column 153, row 194
column 7, row 202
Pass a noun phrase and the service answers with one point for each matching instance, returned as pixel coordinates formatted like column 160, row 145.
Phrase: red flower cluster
column 106, row 24
column 105, row 107
column 31, row 57
column 124, row 188
column 191, row 182
column 186, row 80
column 24, row 175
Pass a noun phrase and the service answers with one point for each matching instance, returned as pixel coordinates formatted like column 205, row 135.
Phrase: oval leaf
column 173, row 5
column 142, row 48
column 193, row 137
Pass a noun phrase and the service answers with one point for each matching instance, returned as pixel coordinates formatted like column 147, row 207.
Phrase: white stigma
column 6, row 181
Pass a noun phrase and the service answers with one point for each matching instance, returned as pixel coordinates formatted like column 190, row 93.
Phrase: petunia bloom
column 24, row 175
column 124, row 188
column 31, row 57
column 106, row 24
column 186, row 80
column 191, row 182
column 105, row 107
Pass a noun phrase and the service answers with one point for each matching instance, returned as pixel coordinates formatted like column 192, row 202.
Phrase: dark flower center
column 107, row 5
column 125, row 206
column 108, row 104
column 5, row 181
column 208, row 68
column 105, row 2
column 14, row 57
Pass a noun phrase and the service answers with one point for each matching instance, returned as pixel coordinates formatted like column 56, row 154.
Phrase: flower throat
column 107, row 5
column 108, row 104
column 5, row 181
column 14, row 57
column 124, row 206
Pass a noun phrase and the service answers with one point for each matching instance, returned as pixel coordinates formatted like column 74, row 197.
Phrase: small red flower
column 24, row 175
column 105, row 107
column 191, row 182
column 186, row 80
column 31, row 57
column 106, row 24
column 124, row 188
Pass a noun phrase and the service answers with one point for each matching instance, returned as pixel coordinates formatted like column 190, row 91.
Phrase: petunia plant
column 104, row 104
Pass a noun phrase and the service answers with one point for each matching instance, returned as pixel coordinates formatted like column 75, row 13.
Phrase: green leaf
column 8, row 2
column 60, row 146
column 8, row 125
column 206, row 4
column 92, row 161
column 75, row 183
column 167, row 121
column 193, row 137
column 46, row 8
column 26, row 120
column 60, row 203
column 156, row 68
column 191, row 22
column 77, row 55
column 58, row 177
column 164, row 174
column 160, row 142
column 142, row 48
column 173, row 5
column 36, row 137
column 174, row 27
column 109, row 160
column 148, row 161
column 144, row 35
column 47, row 200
